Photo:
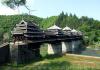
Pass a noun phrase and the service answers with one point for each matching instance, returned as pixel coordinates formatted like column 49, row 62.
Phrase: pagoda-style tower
column 73, row 44
column 27, row 31
column 54, row 31
column 67, row 31
column 77, row 42
column 54, row 47
column 67, row 43
column 26, row 38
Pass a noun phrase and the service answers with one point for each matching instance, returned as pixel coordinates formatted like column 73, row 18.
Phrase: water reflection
column 91, row 52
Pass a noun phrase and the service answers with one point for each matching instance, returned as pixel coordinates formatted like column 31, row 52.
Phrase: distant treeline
column 89, row 26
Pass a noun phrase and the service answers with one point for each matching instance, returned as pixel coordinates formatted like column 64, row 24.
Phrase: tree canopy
column 89, row 26
column 14, row 3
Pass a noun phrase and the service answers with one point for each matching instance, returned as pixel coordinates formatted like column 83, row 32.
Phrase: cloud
column 7, row 11
column 4, row 10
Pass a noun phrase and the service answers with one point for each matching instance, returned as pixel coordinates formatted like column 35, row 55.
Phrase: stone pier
column 55, row 48
column 73, row 46
column 76, row 46
column 66, row 46
column 4, row 53
column 22, row 53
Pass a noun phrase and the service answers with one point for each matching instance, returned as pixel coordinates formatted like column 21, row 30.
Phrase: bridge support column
column 76, row 46
column 73, row 45
column 14, row 51
column 22, row 53
column 70, row 46
column 66, row 47
column 55, row 48
column 4, row 53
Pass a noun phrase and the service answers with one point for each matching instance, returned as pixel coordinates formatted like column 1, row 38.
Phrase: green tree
column 60, row 20
column 14, row 3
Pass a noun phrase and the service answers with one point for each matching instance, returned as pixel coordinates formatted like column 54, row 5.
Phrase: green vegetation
column 89, row 26
column 8, row 23
column 51, row 62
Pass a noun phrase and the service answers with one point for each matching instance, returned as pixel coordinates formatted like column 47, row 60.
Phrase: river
column 91, row 52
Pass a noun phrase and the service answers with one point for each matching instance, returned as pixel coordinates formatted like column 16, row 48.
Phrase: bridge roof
column 27, row 28
column 80, row 33
column 74, row 30
column 54, row 27
column 24, row 23
column 67, row 28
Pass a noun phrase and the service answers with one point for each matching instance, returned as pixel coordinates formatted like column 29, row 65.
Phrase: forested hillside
column 89, row 26
column 7, row 24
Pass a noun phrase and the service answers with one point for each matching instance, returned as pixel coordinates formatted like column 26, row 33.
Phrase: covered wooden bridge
column 28, row 37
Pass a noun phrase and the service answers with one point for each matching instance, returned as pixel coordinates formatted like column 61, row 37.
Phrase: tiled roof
column 54, row 27
column 67, row 28
column 73, row 30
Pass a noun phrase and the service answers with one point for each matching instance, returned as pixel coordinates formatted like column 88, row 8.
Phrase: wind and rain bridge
column 28, row 38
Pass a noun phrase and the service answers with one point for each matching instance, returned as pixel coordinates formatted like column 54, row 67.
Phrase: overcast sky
column 46, row 8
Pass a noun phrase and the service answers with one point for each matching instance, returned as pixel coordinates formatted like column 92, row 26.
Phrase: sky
column 47, row 8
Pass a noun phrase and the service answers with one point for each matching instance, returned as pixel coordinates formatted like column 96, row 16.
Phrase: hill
column 51, row 62
column 89, row 26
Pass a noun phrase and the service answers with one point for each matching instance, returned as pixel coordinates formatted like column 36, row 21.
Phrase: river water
column 91, row 52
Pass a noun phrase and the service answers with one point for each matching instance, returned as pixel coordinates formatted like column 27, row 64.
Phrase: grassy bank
column 65, row 62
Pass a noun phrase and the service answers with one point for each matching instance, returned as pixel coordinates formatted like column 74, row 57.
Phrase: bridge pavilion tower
column 77, row 41
column 66, row 45
column 73, row 43
column 54, row 32
column 26, row 47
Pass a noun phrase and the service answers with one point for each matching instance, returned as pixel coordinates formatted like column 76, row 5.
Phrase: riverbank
column 83, row 60
column 65, row 62
column 91, row 52
column 85, row 56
